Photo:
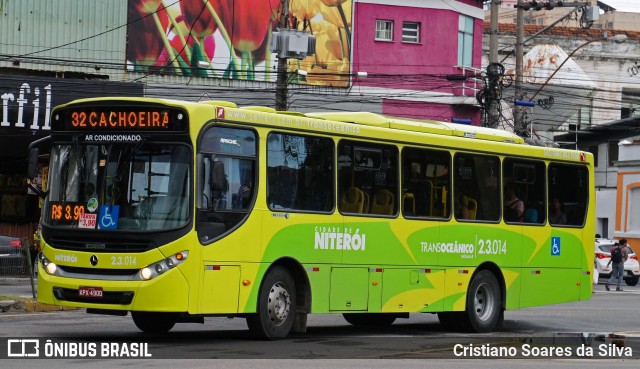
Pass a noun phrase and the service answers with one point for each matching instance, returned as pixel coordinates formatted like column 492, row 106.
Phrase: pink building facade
column 416, row 52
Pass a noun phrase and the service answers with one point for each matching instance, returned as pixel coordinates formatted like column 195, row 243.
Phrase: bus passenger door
column 349, row 289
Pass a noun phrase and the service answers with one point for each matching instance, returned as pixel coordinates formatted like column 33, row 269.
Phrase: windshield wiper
column 123, row 163
column 80, row 159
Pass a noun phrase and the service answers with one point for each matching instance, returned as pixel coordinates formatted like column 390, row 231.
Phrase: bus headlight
column 50, row 267
column 162, row 266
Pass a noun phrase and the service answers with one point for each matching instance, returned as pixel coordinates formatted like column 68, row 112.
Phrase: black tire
column 276, row 307
column 484, row 303
column 370, row 319
column 154, row 322
column 632, row 281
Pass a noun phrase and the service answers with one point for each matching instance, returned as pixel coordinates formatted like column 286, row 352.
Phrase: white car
column 603, row 255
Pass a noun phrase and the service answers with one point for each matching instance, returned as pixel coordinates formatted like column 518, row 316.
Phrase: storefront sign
column 27, row 102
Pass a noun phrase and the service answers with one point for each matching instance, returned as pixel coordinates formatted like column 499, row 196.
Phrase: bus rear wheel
column 484, row 303
column 276, row 308
column 370, row 319
column 154, row 322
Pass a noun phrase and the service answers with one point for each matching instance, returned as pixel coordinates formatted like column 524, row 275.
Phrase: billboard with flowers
column 230, row 38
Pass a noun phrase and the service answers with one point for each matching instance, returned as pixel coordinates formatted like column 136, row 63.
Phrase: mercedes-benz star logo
column 94, row 260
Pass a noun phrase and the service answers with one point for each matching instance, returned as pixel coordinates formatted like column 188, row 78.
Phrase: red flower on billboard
column 199, row 17
column 143, row 45
column 251, row 21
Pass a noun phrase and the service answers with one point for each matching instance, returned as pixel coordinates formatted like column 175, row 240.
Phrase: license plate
column 90, row 292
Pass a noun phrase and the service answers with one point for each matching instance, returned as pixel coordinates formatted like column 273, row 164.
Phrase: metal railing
column 471, row 80
column 18, row 268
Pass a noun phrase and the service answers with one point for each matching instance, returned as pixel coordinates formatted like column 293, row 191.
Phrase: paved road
column 418, row 341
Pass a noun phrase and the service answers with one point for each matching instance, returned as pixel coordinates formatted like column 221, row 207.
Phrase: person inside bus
column 556, row 215
column 513, row 206
column 461, row 207
column 244, row 195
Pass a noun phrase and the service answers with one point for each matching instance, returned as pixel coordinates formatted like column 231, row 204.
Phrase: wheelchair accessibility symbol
column 108, row 216
column 555, row 246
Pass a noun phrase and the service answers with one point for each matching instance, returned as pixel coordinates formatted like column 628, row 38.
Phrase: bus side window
column 478, row 177
column 426, row 183
column 570, row 185
column 526, row 178
column 374, row 172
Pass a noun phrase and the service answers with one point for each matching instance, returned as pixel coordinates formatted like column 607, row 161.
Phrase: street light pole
column 281, row 81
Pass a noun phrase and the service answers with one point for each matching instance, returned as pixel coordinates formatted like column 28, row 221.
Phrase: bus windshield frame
column 136, row 187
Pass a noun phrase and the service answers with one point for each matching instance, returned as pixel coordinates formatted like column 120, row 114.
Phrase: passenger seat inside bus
column 366, row 203
column 352, row 201
column 383, row 202
column 409, row 204
column 472, row 207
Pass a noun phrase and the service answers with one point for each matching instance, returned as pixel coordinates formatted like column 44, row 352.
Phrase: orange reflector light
column 535, row 272
column 246, row 282
column 374, row 283
column 179, row 256
column 459, row 283
column 463, row 271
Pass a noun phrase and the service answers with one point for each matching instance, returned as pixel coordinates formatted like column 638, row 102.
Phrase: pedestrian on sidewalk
column 619, row 255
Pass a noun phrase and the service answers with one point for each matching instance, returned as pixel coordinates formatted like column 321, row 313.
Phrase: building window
column 384, row 30
column 411, row 32
column 613, row 153
column 594, row 150
column 465, row 40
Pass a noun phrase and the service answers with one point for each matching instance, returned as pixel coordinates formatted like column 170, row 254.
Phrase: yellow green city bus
column 176, row 211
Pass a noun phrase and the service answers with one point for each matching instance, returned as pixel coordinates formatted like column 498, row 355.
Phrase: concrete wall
column 628, row 194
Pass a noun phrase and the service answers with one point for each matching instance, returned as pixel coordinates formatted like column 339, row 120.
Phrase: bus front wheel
column 276, row 308
column 484, row 303
column 154, row 322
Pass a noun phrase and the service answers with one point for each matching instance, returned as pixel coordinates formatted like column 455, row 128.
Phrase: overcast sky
column 624, row 5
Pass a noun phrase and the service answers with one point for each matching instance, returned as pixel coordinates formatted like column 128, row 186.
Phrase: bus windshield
column 136, row 187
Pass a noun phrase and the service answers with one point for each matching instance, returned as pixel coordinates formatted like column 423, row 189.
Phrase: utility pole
column 589, row 15
column 493, row 101
column 493, row 36
column 518, row 124
column 281, row 82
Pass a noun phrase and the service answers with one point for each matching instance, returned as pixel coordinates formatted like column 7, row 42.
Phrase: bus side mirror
column 32, row 165
column 32, row 168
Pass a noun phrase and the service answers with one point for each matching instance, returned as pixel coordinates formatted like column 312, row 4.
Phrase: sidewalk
column 19, row 296
column 29, row 305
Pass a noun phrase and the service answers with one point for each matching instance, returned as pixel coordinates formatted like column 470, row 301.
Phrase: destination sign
column 119, row 118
